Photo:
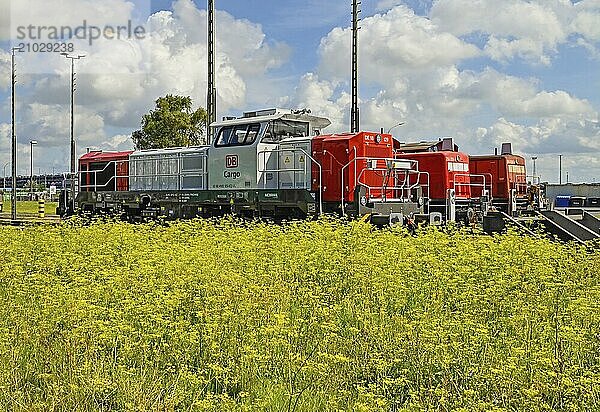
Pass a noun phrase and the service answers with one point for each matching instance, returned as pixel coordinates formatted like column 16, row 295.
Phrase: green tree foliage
column 172, row 123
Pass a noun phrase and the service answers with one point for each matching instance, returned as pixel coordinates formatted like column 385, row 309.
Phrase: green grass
column 319, row 316
column 29, row 208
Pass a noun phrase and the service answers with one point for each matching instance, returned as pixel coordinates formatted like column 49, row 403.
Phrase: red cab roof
column 105, row 156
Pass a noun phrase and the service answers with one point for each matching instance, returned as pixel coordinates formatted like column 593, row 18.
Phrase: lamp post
column 13, row 214
column 534, row 158
column 73, row 58
column 4, row 177
column 31, row 143
column 393, row 127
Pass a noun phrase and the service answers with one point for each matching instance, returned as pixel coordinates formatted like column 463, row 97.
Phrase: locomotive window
column 241, row 134
column 280, row 129
column 192, row 163
column 458, row 167
column 518, row 169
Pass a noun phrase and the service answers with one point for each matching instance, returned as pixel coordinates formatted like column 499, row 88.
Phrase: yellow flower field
column 310, row 316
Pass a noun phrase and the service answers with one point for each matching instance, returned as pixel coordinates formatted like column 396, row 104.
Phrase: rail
column 304, row 170
column 392, row 168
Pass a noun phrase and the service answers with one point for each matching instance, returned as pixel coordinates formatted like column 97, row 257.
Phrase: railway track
column 27, row 219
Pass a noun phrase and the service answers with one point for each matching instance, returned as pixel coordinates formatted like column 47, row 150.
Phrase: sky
column 482, row 71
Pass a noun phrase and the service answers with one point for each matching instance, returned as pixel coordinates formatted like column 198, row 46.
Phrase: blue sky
column 482, row 71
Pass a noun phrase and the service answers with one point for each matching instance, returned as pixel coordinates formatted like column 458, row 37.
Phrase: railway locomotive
column 278, row 163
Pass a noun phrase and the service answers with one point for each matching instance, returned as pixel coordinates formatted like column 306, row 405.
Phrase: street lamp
column 393, row 127
column 32, row 143
column 13, row 214
column 4, row 177
column 534, row 158
column 72, row 58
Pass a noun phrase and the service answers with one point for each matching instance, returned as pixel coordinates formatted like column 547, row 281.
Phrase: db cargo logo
column 231, row 161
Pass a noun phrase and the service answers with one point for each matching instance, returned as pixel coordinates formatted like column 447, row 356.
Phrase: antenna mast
column 355, row 114
column 211, row 96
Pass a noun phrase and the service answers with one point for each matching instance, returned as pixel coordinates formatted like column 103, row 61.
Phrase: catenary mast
column 355, row 114
column 211, row 96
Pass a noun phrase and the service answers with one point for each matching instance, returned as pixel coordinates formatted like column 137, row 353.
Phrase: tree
column 172, row 123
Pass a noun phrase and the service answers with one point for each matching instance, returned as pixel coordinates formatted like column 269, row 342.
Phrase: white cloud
column 4, row 19
column 530, row 30
column 586, row 23
column 513, row 96
column 577, row 140
column 177, row 64
column 437, row 98
column 383, row 5
column 5, row 70
column 4, row 136
column 412, row 69
column 320, row 97
column 392, row 43
column 118, row 142
column 549, row 135
column 50, row 125
column 118, row 81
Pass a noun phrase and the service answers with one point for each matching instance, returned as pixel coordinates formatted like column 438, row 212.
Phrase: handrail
column 178, row 175
column 471, row 184
column 403, row 188
column 384, row 188
column 519, row 185
column 293, row 150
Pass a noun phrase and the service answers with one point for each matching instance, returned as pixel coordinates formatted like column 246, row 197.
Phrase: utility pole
column 13, row 214
column 534, row 158
column 355, row 113
column 73, row 162
column 211, row 96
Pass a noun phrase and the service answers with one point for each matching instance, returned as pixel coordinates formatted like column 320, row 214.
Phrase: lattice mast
column 211, row 96
column 355, row 114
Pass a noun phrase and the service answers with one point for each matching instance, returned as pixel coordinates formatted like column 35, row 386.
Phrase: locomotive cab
column 246, row 154
column 104, row 171
column 507, row 175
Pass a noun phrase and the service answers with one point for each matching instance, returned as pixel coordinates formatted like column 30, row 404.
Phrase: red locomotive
column 507, row 176
column 277, row 163
column 446, row 177
column 105, row 171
